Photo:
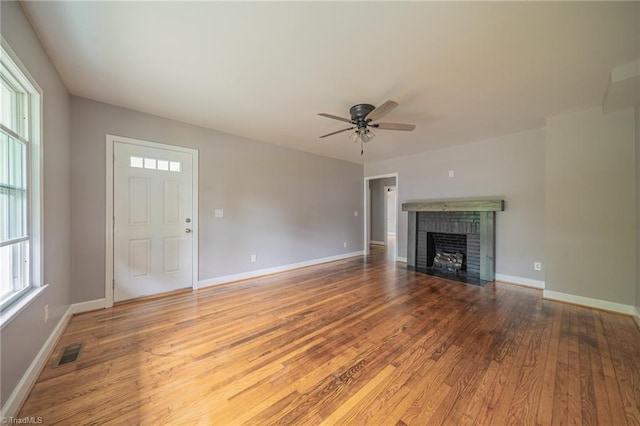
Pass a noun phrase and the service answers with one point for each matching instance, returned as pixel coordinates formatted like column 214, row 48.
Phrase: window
column 152, row 163
column 19, row 182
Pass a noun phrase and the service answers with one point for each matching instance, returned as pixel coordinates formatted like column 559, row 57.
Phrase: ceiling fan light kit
column 362, row 117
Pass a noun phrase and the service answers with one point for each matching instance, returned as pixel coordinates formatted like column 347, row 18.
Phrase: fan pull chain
column 361, row 147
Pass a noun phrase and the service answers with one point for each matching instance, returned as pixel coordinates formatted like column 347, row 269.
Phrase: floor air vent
column 69, row 354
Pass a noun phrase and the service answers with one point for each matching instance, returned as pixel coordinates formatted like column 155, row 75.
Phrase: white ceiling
column 461, row 72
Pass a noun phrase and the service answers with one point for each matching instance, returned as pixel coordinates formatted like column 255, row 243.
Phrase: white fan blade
column 394, row 126
column 335, row 117
column 339, row 131
column 381, row 110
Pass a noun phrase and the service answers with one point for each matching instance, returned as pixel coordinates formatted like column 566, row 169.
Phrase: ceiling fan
column 362, row 120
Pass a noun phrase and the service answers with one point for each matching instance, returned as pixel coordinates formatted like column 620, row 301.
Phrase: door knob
column 188, row 230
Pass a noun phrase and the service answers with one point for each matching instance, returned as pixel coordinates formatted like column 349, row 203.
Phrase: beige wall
column 23, row 337
column 510, row 167
column 285, row 206
column 590, row 205
column 637, row 260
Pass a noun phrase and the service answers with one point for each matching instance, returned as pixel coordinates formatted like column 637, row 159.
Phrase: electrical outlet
column 46, row 313
column 537, row 266
column 254, row 258
column 218, row 213
column 451, row 173
column 344, row 244
column 355, row 213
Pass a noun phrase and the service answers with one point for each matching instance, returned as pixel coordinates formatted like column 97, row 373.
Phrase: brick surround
column 472, row 219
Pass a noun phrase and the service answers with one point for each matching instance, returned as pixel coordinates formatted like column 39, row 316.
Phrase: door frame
column 109, row 214
column 367, row 210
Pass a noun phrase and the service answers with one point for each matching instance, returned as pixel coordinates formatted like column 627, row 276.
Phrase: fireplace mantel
column 454, row 206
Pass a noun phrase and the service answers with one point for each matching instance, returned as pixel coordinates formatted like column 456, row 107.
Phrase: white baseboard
column 377, row 243
column 589, row 302
column 260, row 272
column 636, row 316
column 20, row 393
column 527, row 282
column 391, row 233
column 91, row 305
column 401, row 259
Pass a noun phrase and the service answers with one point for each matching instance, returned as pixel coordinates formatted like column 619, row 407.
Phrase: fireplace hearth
column 453, row 239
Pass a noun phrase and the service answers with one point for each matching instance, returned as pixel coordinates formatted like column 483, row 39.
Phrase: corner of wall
column 590, row 164
column 637, row 170
column 19, row 394
column 21, row 391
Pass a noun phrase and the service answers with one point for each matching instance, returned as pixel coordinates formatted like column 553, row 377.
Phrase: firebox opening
column 447, row 252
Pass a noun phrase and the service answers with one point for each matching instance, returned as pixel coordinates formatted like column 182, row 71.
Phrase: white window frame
column 35, row 103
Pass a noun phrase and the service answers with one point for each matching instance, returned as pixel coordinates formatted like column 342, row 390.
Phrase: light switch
column 451, row 173
column 219, row 212
column 355, row 213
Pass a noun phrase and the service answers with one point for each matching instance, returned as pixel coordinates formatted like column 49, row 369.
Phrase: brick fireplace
column 453, row 239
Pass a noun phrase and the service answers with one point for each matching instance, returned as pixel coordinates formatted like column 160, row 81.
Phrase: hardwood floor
column 360, row 341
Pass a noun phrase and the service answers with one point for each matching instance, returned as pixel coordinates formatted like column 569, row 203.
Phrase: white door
column 153, row 220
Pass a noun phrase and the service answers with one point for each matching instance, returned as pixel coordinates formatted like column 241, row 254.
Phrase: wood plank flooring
column 359, row 341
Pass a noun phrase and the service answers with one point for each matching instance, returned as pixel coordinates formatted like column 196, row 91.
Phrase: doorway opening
column 381, row 213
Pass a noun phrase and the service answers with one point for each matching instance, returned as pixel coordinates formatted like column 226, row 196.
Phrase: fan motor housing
column 360, row 111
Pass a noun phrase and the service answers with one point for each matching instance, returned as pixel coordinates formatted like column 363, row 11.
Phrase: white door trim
column 367, row 210
column 111, row 139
